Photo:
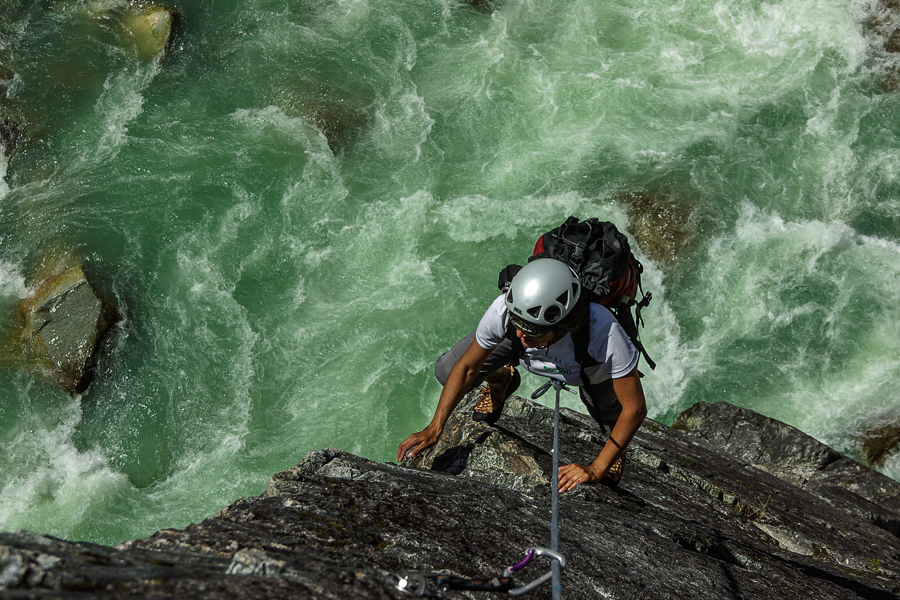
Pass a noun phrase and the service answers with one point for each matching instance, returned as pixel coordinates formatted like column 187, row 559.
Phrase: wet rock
column 881, row 442
column 63, row 324
column 150, row 29
column 337, row 124
column 146, row 27
column 12, row 128
column 484, row 6
column 660, row 225
column 11, row 133
column 689, row 520
column 885, row 22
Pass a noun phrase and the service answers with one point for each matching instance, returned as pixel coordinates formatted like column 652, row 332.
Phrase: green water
column 285, row 291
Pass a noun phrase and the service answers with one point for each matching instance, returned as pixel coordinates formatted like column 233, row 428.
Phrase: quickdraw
column 415, row 583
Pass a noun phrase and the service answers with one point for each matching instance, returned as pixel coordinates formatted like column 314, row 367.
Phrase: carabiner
column 546, row 576
column 530, row 554
column 553, row 383
column 541, row 390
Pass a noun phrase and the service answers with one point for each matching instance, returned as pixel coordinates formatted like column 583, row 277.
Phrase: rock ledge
column 710, row 508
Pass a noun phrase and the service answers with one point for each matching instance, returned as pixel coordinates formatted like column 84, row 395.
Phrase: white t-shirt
column 609, row 345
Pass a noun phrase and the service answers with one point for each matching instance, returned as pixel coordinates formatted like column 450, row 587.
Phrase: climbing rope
column 555, row 566
column 415, row 583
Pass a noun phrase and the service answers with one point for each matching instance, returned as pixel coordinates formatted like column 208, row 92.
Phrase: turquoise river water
column 286, row 290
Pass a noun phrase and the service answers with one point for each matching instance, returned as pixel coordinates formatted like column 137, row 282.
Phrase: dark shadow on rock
column 859, row 589
column 455, row 460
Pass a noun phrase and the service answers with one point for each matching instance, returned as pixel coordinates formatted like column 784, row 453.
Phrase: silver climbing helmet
column 542, row 294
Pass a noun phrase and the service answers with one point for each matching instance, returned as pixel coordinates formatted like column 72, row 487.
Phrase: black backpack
column 609, row 272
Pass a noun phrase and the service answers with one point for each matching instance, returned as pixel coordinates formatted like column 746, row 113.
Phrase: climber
column 543, row 323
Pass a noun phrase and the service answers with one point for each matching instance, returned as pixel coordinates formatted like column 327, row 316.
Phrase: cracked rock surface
column 706, row 509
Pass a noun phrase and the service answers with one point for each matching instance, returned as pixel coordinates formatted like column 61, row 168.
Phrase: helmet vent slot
column 552, row 314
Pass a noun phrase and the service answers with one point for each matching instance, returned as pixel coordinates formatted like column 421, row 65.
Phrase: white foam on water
column 892, row 466
column 120, row 103
column 12, row 282
column 803, row 305
column 49, row 485
column 478, row 218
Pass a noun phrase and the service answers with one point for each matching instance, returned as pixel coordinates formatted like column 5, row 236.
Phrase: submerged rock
column 881, row 442
column 336, row 114
column 63, row 323
column 146, row 27
column 689, row 520
column 11, row 133
column 485, row 6
column 150, row 29
column 336, row 123
column 661, row 226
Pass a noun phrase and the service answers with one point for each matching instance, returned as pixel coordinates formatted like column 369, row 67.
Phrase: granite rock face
column 691, row 519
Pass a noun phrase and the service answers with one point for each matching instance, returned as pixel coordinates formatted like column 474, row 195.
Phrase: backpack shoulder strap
column 622, row 312
column 510, row 334
column 581, row 340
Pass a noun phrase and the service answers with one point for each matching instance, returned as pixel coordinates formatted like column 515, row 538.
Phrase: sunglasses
column 530, row 329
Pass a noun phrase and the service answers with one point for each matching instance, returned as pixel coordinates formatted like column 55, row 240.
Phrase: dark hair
column 576, row 318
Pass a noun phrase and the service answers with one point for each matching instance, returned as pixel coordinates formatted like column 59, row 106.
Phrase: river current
column 304, row 202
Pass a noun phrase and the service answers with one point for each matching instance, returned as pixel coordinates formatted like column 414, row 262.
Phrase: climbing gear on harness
column 492, row 399
column 543, row 293
column 415, row 583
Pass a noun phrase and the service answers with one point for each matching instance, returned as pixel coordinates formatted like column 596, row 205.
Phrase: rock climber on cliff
column 543, row 323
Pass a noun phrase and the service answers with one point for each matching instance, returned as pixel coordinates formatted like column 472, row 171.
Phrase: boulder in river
column 880, row 442
column 661, row 225
column 146, row 27
column 149, row 28
column 63, row 324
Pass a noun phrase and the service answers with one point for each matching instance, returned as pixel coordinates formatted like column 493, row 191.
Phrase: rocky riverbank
column 724, row 504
